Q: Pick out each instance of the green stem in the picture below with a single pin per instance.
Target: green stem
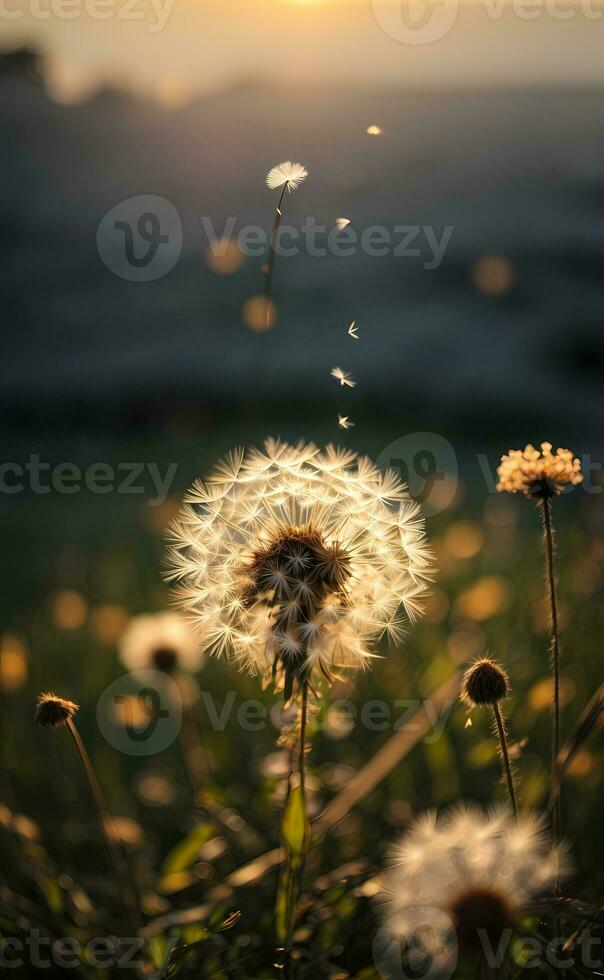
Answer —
(302, 747)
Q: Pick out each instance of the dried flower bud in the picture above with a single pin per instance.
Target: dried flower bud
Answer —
(485, 683)
(53, 711)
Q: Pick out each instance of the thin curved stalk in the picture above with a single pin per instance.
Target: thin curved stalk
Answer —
(108, 830)
(550, 572)
(505, 757)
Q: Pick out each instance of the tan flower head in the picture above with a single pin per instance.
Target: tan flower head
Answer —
(538, 473)
(290, 558)
(53, 711)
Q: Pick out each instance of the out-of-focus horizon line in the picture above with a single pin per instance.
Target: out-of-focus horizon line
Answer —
(180, 50)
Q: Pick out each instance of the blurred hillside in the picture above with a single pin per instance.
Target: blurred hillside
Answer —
(518, 174)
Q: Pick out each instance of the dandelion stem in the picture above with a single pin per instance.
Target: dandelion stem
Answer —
(505, 756)
(271, 252)
(108, 830)
(550, 549)
(302, 747)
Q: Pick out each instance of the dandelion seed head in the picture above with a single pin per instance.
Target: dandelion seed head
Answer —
(538, 473)
(485, 683)
(474, 870)
(342, 223)
(353, 330)
(291, 557)
(288, 173)
(345, 422)
(160, 641)
(52, 711)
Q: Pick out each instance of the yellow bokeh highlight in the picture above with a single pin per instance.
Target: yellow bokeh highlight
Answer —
(13, 663)
(108, 622)
(69, 609)
(493, 275)
(464, 539)
(490, 596)
(259, 314)
(224, 256)
(541, 695)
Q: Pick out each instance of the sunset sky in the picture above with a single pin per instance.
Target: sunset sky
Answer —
(176, 48)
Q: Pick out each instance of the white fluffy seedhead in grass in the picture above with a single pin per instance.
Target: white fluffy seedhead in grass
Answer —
(469, 871)
(160, 641)
(292, 558)
(288, 173)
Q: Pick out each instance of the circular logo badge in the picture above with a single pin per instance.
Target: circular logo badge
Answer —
(428, 951)
(415, 21)
(140, 713)
(427, 463)
(140, 239)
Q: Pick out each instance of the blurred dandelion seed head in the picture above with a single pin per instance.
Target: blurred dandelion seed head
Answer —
(288, 173)
(481, 870)
(485, 683)
(160, 641)
(53, 711)
(297, 557)
(538, 473)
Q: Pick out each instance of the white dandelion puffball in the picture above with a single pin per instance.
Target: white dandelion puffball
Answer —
(291, 558)
(160, 641)
(468, 877)
(288, 173)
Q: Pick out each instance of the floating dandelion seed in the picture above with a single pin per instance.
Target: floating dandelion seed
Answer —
(353, 330)
(160, 641)
(345, 379)
(291, 558)
(468, 873)
(344, 422)
(288, 176)
(374, 130)
(342, 223)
